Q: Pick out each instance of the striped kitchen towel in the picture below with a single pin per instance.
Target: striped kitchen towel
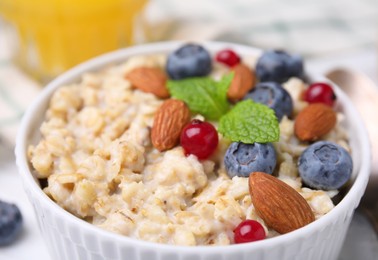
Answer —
(310, 28)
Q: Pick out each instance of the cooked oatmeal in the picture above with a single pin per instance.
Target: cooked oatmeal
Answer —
(97, 157)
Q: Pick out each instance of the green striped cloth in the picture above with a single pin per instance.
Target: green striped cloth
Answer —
(311, 28)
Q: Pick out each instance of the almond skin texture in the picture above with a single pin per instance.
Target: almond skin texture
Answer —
(280, 206)
(169, 121)
(243, 81)
(314, 121)
(149, 80)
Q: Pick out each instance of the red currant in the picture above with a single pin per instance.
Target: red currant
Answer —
(320, 93)
(199, 138)
(249, 231)
(228, 57)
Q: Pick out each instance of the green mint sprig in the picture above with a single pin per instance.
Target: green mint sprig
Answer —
(250, 122)
(203, 95)
(246, 122)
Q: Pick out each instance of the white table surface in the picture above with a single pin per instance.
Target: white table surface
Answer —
(361, 241)
(30, 242)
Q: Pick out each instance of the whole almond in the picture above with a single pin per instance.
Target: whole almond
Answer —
(150, 80)
(280, 206)
(243, 81)
(169, 121)
(314, 121)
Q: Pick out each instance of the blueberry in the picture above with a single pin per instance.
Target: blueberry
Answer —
(325, 166)
(274, 96)
(242, 159)
(190, 60)
(279, 66)
(10, 223)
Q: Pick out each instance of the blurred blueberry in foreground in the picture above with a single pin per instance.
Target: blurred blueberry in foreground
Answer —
(10, 223)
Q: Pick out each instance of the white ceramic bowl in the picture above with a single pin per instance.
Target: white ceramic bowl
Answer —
(69, 237)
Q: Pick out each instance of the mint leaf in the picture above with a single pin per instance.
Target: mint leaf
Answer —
(250, 122)
(203, 95)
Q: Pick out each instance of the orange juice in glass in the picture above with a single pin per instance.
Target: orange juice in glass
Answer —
(54, 35)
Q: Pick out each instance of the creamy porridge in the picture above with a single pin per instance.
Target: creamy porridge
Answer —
(98, 159)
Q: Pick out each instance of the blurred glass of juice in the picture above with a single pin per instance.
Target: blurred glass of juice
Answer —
(54, 35)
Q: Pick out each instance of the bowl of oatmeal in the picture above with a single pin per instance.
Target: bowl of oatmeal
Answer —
(193, 151)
